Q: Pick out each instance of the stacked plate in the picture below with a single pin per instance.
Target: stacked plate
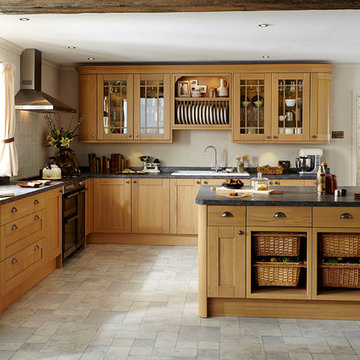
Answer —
(201, 113)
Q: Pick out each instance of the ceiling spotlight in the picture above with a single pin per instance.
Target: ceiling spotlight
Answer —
(71, 47)
(264, 25)
(91, 58)
(24, 19)
(265, 56)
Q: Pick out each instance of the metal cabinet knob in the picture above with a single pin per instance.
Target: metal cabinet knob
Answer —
(279, 215)
(92, 135)
(268, 137)
(36, 217)
(36, 248)
(314, 136)
(198, 181)
(227, 214)
(270, 182)
(277, 182)
(14, 227)
(14, 210)
(346, 216)
(134, 181)
(36, 202)
(130, 136)
(240, 232)
(14, 261)
(137, 136)
(127, 181)
(205, 182)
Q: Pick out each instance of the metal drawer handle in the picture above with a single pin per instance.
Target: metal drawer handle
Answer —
(240, 232)
(36, 217)
(36, 202)
(279, 215)
(346, 216)
(14, 261)
(14, 210)
(14, 227)
(127, 181)
(227, 214)
(36, 248)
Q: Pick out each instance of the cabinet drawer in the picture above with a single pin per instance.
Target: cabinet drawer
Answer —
(226, 215)
(336, 217)
(279, 216)
(21, 232)
(286, 182)
(22, 260)
(20, 208)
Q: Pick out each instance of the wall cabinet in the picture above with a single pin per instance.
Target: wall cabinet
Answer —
(112, 205)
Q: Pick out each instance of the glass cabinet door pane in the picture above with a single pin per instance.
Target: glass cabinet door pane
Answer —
(290, 107)
(252, 117)
(115, 107)
(151, 107)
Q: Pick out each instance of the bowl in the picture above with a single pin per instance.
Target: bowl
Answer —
(290, 102)
(232, 186)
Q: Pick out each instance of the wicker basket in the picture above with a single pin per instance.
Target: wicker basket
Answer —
(268, 170)
(273, 244)
(340, 245)
(277, 274)
(340, 275)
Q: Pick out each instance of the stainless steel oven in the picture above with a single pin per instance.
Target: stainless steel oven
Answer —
(73, 216)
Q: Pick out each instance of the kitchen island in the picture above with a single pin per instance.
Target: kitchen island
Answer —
(294, 254)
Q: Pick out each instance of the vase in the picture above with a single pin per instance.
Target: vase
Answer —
(223, 91)
(67, 162)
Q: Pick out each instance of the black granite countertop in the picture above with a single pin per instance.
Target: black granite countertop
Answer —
(20, 193)
(292, 196)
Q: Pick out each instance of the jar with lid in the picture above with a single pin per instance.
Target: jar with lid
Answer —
(259, 183)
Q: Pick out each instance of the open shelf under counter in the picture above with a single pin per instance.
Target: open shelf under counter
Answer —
(279, 292)
(202, 98)
(338, 294)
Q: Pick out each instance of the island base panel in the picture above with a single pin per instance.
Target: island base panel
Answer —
(307, 309)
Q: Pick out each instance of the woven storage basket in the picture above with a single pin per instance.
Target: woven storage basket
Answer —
(270, 244)
(340, 275)
(340, 245)
(277, 274)
(268, 170)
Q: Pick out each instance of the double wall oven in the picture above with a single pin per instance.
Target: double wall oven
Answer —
(73, 208)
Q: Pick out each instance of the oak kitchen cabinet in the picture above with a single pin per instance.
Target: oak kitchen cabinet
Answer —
(124, 107)
(30, 249)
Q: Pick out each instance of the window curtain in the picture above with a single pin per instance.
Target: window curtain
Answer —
(8, 155)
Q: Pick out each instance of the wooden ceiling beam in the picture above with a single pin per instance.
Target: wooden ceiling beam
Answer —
(154, 6)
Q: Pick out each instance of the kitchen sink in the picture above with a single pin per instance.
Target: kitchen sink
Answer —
(208, 173)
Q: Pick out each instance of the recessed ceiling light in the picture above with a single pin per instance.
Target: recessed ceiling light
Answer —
(71, 47)
(265, 56)
(24, 19)
(91, 58)
(264, 25)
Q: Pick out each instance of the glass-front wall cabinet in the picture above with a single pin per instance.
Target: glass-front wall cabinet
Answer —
(253, 107)
(151, 106)
(290, 101)
(116, 98)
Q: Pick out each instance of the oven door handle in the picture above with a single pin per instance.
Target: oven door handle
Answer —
(72, 218)
(71, 195)
(83, 191)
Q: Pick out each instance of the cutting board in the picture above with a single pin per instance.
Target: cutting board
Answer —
(225, 191)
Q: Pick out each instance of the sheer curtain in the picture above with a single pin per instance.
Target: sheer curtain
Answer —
(8, 155)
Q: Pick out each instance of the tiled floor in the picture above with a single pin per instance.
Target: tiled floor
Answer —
(140, 302)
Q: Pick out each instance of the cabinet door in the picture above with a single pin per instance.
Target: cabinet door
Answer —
(115, 110)
(183, 209)
(226, 262)
(88, 108)
(252, 107)
(53, 223)
(150, 206)
(112, 205)
(151, 107)
(290, 106)
(320, 107)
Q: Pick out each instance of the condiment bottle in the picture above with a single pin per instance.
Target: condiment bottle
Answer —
(333, 184)
(321, 180)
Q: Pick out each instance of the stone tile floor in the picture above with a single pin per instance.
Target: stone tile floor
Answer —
(140, 302)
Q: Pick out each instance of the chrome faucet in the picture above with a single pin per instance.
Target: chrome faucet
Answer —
(215, 156)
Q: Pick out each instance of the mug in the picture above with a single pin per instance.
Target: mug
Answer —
(282, 118)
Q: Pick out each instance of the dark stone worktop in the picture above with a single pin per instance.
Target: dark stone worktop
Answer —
(292, 196)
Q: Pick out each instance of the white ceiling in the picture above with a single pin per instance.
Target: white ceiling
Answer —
(179, 37)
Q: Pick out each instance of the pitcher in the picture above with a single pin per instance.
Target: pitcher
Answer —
(223, 91)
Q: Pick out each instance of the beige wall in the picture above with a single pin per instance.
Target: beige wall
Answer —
(188, 146)
(31, 128)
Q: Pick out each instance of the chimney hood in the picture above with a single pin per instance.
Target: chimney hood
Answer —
(30, 97)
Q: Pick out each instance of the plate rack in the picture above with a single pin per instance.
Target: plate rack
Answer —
(202, 113)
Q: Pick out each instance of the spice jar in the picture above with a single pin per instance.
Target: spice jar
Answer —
(212, 92)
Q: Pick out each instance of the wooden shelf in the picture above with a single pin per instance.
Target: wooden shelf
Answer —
(346, 294)
(279, 292)
(202, 99)
(201, 127)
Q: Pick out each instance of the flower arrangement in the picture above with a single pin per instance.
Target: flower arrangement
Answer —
(59, 137)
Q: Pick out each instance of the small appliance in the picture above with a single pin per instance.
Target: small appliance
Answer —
(308, 161)
(149, 167)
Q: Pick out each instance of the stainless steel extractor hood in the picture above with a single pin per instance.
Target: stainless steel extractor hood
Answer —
(30, 97)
